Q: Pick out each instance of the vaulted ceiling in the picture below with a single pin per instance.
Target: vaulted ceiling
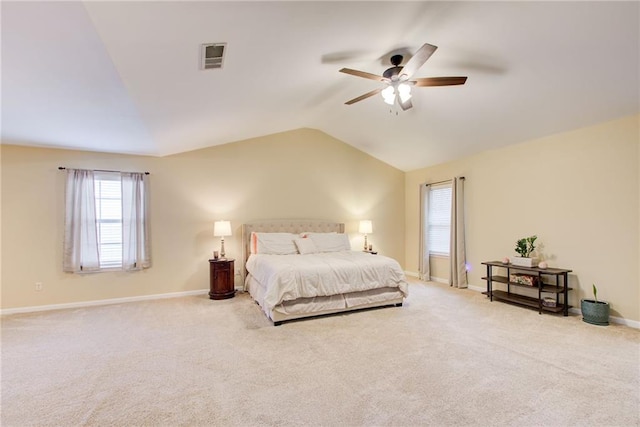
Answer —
(125, 76)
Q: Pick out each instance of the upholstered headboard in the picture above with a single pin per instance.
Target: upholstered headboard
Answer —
(286, 226)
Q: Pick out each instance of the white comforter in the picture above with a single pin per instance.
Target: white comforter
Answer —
(289, 277)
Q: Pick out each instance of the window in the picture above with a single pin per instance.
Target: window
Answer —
(108, 194)
(106, 221)
(439, 217)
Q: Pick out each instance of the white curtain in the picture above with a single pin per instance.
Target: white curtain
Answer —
(425, 273)
(81, 241)
(81, 235)
(136, 252)
(457, 258)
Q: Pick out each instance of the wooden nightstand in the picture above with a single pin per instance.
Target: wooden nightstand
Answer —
(221, 283)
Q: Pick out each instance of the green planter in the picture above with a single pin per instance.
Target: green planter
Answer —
(595, 312)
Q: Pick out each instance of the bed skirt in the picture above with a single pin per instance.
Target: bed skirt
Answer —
(322, 305)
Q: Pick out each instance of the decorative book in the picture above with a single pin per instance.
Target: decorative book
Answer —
(523, 279)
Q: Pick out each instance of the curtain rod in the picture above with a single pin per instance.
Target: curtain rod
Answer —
(101, 170)
(442, 182)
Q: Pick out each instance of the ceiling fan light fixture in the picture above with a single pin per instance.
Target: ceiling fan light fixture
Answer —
(389, 95)
(399, 79)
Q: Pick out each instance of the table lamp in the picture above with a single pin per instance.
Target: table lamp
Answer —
(366, 227)
(222, 229)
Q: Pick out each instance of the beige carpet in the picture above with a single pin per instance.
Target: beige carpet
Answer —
(448, 357)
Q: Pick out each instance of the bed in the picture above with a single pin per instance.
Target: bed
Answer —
(305, 268)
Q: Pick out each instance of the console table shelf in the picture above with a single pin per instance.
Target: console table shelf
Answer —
(559, 288)
(525, 301)
(545, 288)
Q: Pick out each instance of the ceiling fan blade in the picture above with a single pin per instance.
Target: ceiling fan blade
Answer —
(405, 105)
(417, 60)
(365, 96)
(439, 81)
(363, 74)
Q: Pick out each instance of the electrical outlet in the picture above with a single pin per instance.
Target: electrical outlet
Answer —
(38, 286)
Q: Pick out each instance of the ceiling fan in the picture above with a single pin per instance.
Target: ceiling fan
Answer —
(398, 86)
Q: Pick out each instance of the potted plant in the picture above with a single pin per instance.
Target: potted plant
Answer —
(594, 311)
(525, 247)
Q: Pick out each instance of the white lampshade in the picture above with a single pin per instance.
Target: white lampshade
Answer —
(366, 227)
(404, 91)
(222, 228)
(389, 95)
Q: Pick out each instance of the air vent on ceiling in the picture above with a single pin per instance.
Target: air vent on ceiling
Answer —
(212, 55)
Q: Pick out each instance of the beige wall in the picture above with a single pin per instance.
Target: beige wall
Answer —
(439, 268)
(299, 174)
(578, 191)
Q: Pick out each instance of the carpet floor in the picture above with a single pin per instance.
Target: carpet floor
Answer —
(448, 357)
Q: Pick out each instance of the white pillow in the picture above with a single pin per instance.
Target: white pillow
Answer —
(273, 243)
(330, 242)
(306, 246)
(309, 233)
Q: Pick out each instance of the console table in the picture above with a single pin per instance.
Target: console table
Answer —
(552, 281)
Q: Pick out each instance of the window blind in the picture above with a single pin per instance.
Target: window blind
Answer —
(439, 227)
(108, 193)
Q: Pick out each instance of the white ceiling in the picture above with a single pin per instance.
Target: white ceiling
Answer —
(124, 76)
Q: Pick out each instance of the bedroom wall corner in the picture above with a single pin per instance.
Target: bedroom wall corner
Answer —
(579, 191)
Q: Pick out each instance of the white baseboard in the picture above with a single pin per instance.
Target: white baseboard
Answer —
(613, 319)
(100, 302)
(433, 279)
